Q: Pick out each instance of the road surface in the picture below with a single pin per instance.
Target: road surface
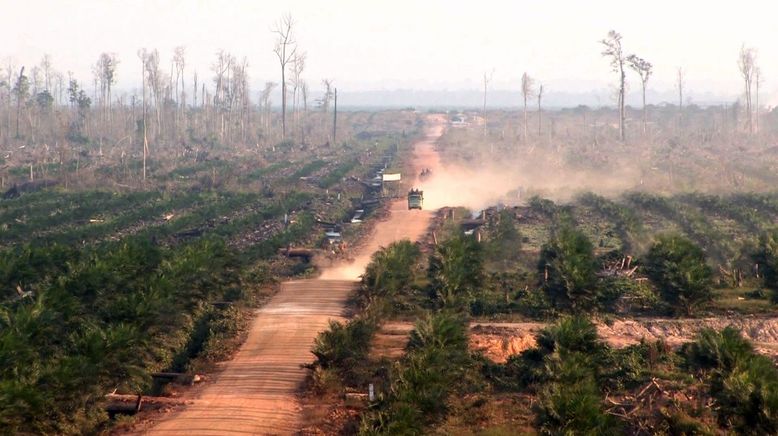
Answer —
(257, 391)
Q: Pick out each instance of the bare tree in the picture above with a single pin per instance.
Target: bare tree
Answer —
(222, 98)
(106, 73)
(757, 83)
(298, 65)
(179, 61)
(240, 95)
(613, 50)
(154, 81)
(487, 79)
(304, 97)
(21, 91)
(747, 65)
(680, 85)
(144, 55)
(644, 70)
(47, 71)
(285, 49)
(526, 93)
(335, 119)
(324, 102)
(264, 101)
(540, 108)
(680, 82)
(194, 89)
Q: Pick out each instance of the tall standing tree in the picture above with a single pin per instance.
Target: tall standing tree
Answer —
(144, 55)
(540, 108)
(325, 101)
(757, 83)
(304, 99)
(487, 80)
(746, 63)
(264, 99)
(154, 81)
(298, 66)
(179, 61)
(106, 73)
(644, 70)
(326, 97)
(526, 93)
(222, 68)
(335, 119)
(286, 50)
(21, 92)
(613, 50)
(680, 84)
(47, 71)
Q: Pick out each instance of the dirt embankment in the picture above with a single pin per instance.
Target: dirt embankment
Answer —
(498, 341)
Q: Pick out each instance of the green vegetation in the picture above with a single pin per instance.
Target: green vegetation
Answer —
(679, 270)
(107, 320)
(743, 383)
(100, 288)
(456, 271)
(567, 265)
(391, 270)
(419, 386)
(766, 256)
(571, 381)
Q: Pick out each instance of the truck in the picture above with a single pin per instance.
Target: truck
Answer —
(415, 199)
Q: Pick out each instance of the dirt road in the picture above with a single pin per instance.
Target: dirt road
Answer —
(257, 391)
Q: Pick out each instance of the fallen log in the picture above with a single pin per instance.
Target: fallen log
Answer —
(147, 400)
(176, 377)
(123, 405)
(305, 253)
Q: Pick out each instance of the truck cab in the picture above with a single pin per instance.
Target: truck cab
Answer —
(415, 199)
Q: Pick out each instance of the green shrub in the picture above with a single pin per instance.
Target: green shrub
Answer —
(567, 268)
(391, 269)
(720, 350)
(344, 344)
(422, 382)
(743, 383)
(442, 330)
(679, 270)
(624, 293)
(456, 270)
(569, 335)
(573, 409)
(680, 423)
(766, 256)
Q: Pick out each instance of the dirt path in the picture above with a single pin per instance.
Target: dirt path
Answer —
(257, 391)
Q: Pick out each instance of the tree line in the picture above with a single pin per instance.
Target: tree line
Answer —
(57, 113)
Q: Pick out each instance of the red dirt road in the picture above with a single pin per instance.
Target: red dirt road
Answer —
(257, 391)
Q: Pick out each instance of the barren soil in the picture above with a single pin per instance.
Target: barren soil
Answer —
(498, 341)
(256, 393)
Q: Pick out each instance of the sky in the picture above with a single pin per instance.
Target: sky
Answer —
(410, 44)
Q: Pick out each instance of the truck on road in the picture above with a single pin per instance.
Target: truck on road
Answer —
(415, 199)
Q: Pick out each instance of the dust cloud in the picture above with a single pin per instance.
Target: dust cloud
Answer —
(512, 183)
(344, 270)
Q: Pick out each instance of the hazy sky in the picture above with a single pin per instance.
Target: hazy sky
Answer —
(365, 44)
